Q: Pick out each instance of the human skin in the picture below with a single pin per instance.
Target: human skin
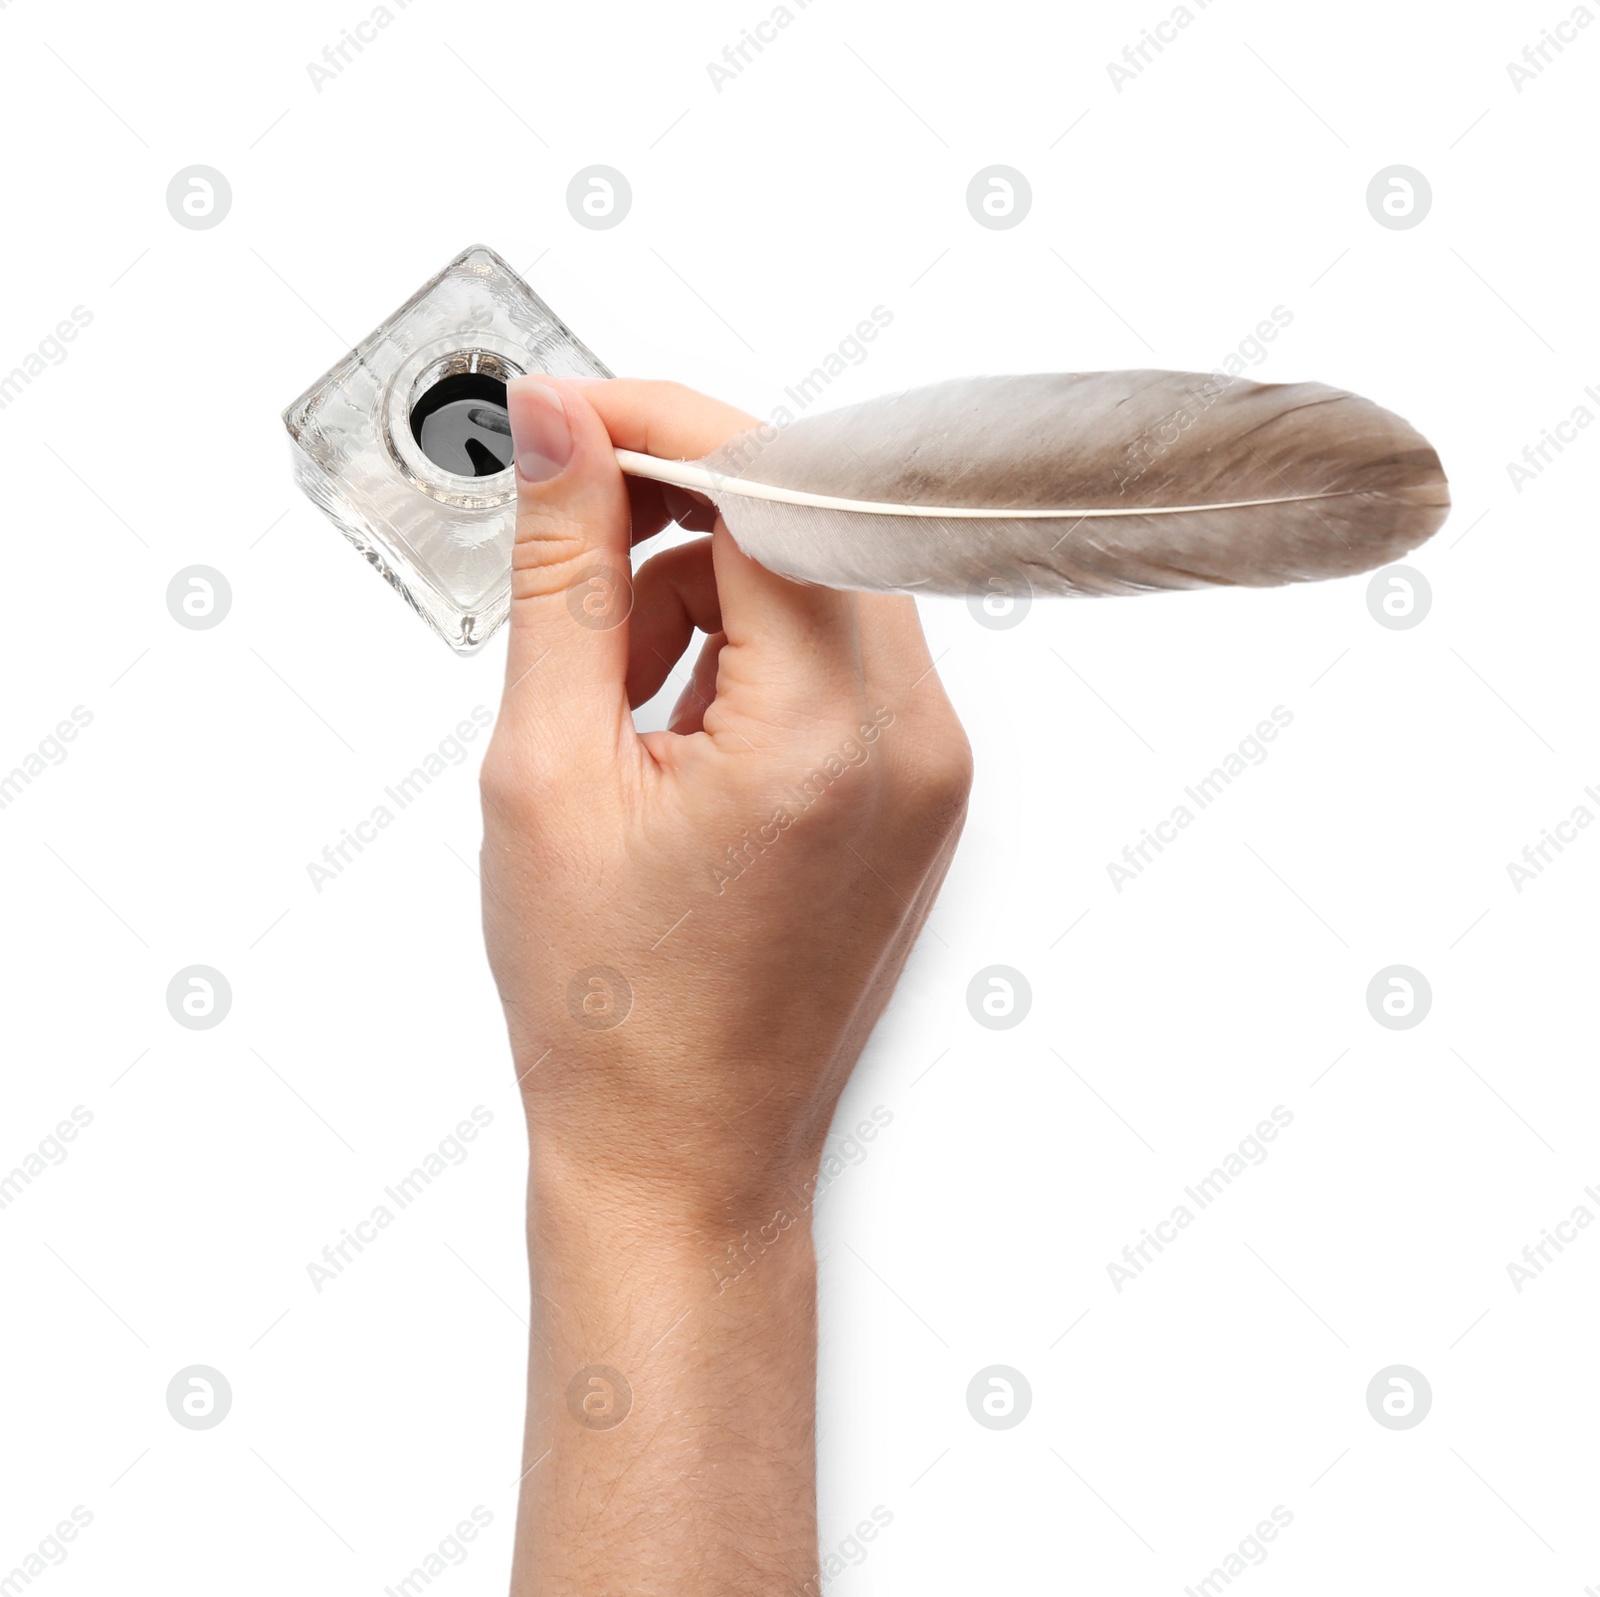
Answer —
(683, 1019)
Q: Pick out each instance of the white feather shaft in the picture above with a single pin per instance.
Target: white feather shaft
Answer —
(702, 479)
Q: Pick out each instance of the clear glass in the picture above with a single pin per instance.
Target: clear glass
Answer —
(442, 540)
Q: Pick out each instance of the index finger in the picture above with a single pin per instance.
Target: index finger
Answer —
(668, 420)
(800, 642)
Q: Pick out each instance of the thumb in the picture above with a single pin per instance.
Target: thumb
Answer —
(571, 588)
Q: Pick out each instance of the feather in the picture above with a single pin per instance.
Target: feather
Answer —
(1098, 483)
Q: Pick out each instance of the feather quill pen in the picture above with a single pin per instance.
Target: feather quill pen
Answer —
(1095, 483)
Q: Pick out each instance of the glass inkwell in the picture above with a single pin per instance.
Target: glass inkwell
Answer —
(405, 443)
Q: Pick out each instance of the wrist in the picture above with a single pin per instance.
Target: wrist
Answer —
(670, 1158)
(597, 1225)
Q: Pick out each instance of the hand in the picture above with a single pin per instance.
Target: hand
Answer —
(693, 933)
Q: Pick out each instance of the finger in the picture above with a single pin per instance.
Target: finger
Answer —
(670, 422)
(692, 511)
(796, 646)
(894, 654)
(688, 714)
(674, 596)
(795, 649)
(656, 506)
(647, 504)
(664, 419)
(567, 657)
(903, 690)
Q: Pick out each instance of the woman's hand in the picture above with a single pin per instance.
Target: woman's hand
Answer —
(693, 933)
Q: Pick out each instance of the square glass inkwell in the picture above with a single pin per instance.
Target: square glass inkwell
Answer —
(406, 445)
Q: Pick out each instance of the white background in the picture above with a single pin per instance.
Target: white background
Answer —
(1168, 219)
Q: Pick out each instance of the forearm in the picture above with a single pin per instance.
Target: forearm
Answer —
(696, 1469)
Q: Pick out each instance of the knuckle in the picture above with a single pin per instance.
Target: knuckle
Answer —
(939, 774)
(547, 539)
(671, 392)
(498, 789)
(823, 780)
(514, 789)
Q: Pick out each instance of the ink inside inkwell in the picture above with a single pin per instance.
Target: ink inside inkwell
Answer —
(460, 422)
